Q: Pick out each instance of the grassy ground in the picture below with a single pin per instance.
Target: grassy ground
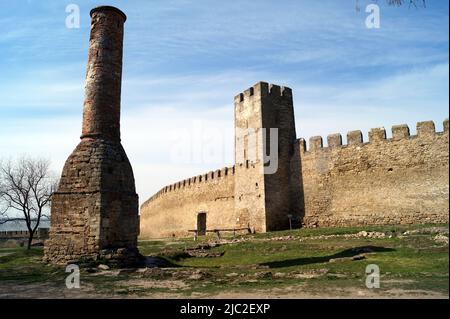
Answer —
(290, 264)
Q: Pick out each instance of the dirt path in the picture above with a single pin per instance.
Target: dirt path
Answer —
(44, 290)
(348, 293)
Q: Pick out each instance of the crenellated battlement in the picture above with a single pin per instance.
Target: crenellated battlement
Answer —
(263, 89)
(376, 135)
(195, 180)
(211, 176)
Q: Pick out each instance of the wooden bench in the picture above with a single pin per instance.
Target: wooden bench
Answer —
(217, 231)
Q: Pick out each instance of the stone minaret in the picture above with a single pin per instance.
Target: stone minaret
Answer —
(94, 212)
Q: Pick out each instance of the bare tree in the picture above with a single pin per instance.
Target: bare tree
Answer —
(398, 3)
(26, 187)
(411, 2)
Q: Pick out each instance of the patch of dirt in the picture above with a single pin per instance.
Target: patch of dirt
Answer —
(398, 281)
(156, 273)
(308, 274)
(427, 231)
(361, 234)
(152, 284)
(191, 274)
(202, 251)
(357, 257)
(441, 239)
(300, 292)
(47, 290)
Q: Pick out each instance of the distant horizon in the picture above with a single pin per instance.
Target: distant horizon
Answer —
(20, 225)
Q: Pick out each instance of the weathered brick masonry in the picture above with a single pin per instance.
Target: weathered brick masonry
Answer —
(403, 179)
(94, 212)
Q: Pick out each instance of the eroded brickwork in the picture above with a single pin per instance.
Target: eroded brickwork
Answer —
(94, 212)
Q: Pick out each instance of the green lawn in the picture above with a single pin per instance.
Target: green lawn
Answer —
(326, 262)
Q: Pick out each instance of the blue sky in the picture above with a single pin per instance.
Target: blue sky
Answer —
(185, 60)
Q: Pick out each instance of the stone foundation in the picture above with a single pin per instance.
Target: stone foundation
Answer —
(95, 207)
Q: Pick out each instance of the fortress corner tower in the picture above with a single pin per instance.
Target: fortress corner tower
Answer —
(94, 212)
(264, 113)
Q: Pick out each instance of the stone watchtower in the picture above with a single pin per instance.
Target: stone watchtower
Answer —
(94, 212)
(263, 174)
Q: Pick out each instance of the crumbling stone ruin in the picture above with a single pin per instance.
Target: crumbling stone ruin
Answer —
(94, 212)
(399, 180)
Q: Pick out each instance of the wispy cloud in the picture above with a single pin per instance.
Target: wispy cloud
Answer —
(417, 95)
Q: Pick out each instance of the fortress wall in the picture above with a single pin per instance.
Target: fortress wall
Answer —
(41, 233)
(173, 210)
(403, 179)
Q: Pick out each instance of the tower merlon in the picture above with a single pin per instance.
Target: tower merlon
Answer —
(400, 131)
(354, 137)
(426, 128)
(334, 140)
(262, 89)
(377, 134)
(315, 143)
(445, 126)
(274, 89)
(301, 144)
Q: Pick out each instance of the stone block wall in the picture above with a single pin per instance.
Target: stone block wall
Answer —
(41, 233)
(173, 210)
(400, 180)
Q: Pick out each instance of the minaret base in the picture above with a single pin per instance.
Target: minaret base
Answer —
(94, 214)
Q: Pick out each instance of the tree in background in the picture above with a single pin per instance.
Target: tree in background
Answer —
(412, 3)
(26, 187)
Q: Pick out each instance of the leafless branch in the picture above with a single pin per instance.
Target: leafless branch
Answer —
(26, 187)
(398, 3)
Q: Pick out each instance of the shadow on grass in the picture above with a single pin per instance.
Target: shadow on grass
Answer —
(352, 252)
(158, 262)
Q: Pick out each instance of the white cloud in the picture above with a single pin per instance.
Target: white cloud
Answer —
(418, 95)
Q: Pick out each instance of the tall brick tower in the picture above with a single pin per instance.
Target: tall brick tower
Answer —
(94, 212)
(262, 188)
